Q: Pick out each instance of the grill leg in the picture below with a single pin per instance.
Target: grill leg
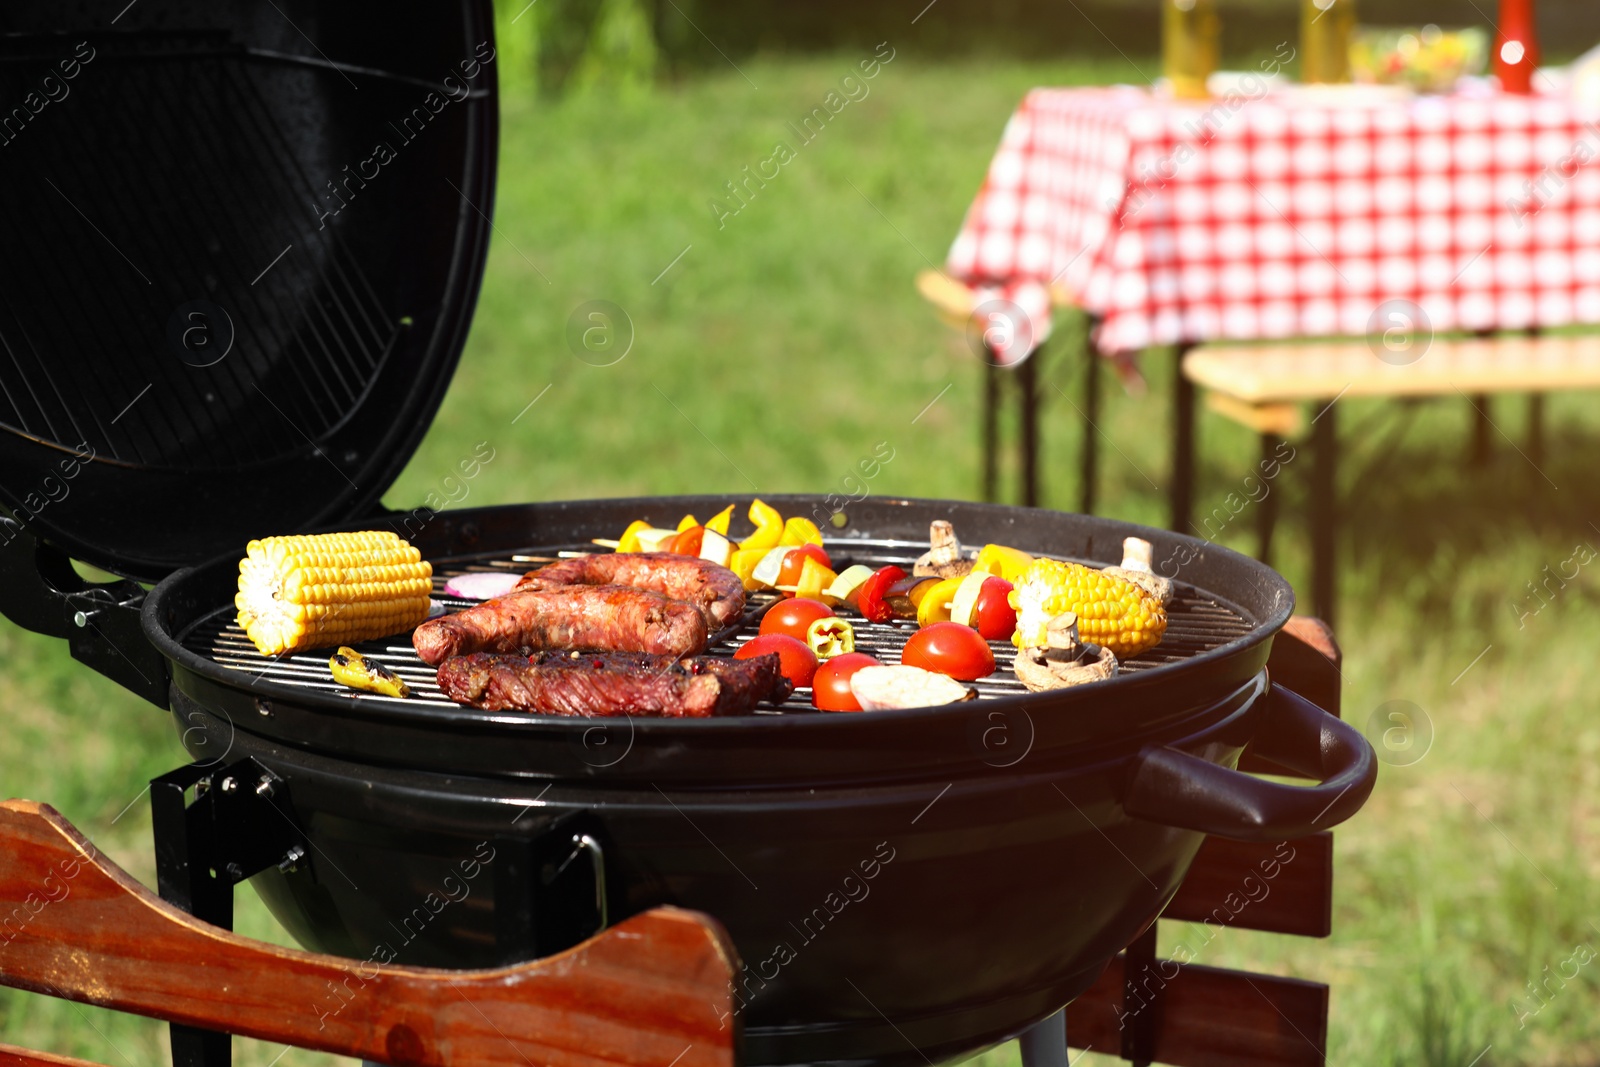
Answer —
(184, 879)
(1091, 428)
(1324, 513)
(1028, 381)
(1141, 1002)
(1045, 1043)
(989, 433)
(1183, 445)
(1267, 510)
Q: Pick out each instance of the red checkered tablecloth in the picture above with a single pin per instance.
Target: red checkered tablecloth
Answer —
(1288, 214)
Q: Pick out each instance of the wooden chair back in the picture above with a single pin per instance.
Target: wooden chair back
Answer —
(653, 991)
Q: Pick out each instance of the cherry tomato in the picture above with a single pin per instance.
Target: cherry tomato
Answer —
(949, 648)
(795, 561)
(797, 662)
(994, 617)
(830, 689)
(794, 617)
(871, 597)
(689, 541)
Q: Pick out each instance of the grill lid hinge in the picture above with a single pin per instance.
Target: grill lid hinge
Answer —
(40, 591)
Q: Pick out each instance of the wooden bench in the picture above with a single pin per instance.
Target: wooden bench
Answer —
(1176, 1011)
(1278, 390)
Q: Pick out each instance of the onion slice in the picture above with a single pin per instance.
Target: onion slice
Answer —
(887, 688)
(481, 585)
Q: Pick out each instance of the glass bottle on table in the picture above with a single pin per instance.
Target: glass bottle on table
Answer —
(1516, 46)
(1191, 34)
(1326, 27)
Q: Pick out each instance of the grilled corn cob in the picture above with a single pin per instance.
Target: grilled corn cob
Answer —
(1112, 612)
(316, 590)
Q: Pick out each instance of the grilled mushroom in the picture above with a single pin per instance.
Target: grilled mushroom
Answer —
(1064, 661)
(943, 558)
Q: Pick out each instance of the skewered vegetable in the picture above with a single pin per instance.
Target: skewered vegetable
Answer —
(934, 604)
(846, 588)
(315, 590)
(1064, 660)
(943, 558)
(351, 668)
(769, 526)
(1111, 611)
(1008, 563)
(872, 599)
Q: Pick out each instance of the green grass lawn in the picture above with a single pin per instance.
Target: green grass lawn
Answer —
(772, 353)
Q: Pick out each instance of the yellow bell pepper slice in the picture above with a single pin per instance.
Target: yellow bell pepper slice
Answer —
(800, 531)
(1008, 563)
(769, 527)
(742, 561)
(935, 603)
(630, 536)
(719, 522)
(814, 578)
(687, 523)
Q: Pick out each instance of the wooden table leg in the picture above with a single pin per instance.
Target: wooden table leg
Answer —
(1028, 386)
(1324, 513)
(1183, 445)
(1267, 509)
(989, 433)
(1091, 431)
(1480, 429)
(1536, 428)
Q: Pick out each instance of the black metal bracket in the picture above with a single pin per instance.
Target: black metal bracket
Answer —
(40, 591)
(216, 825)
(550, 889)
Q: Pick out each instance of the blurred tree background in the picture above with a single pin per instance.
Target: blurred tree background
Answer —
(573, 45)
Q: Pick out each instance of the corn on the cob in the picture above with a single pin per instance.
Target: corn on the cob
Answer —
(1112, 612)
(317, 590)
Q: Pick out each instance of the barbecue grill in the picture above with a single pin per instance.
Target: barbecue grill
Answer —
(900, 885)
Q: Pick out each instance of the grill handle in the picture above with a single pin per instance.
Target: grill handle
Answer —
(1177, 789)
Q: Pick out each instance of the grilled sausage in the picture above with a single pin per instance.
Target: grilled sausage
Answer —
(715, 590)
(613, 683)
(603, 617)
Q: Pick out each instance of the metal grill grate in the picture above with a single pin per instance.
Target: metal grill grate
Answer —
(136, 203)
(1196, 623)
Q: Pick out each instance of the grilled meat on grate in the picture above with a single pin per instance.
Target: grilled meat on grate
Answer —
(611, 618)
(715, 590)
(613, 683)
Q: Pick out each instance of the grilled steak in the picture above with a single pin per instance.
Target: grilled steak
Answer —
(612, 618)
(613, 683)
(715, 590)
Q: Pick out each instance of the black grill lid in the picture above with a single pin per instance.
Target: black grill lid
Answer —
(243, 250)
